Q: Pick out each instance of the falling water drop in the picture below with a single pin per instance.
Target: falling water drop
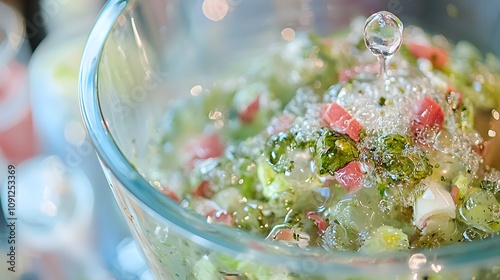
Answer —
(383, 36)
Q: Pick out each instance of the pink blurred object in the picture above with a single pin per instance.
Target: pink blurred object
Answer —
(17, 137)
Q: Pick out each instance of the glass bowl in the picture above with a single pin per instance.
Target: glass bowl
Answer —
(144, 56)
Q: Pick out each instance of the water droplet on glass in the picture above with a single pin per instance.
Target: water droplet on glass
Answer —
(417, 261)
(383, 37)
(161, 233)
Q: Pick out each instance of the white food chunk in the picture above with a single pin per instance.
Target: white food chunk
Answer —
(435, 204)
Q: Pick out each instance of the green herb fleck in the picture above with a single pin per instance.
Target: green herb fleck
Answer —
(333, 151)
(277, 148)
(396, 163)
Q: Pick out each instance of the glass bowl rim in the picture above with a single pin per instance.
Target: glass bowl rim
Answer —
(222, 238)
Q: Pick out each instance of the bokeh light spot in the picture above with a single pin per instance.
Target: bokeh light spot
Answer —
(215, 9)
(288, 34)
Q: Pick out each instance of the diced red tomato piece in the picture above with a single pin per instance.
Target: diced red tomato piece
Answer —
(347, 74)
(481, 149)
(427, 115)
(437, 56)
(454, 193)
(350, 176)
(317, 220)
(289, 235)
(207, 146)
(171, 194)
(284, 235)
(339, 120)
(248, 114)
(203, 190)
(222, 216)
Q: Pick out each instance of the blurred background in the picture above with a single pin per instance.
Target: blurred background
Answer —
(68, 225)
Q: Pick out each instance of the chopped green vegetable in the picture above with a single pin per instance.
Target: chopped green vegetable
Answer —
(333, 151)
(360, 212)
(385, 239)
(340, 238)
(398, 163)
(278, 149)
(481, 210)
(279, 185)
(249, 216)
(206, 269)
(394, 144)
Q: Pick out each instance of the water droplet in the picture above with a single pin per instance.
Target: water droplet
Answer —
(337, 238)
(383, 33)
(426, 137)
(454, 99)
(416, 261)
(383, 36)
(386, 205)
(161, 233)
(444, 141)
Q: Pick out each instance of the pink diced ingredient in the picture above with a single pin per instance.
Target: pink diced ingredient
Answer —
(428, 114)
(321, 223)
(284, 235)
(203, 190)
(481, 149)
(18, 139)
(248, 114)
(437, 56)
(339, 120)
(222, 216)
(454, 193)
(207, 146)
(213, 212)
(171, 194)
(289, 235)
(350, 176)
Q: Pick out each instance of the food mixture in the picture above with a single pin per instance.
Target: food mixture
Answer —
(315, 146)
